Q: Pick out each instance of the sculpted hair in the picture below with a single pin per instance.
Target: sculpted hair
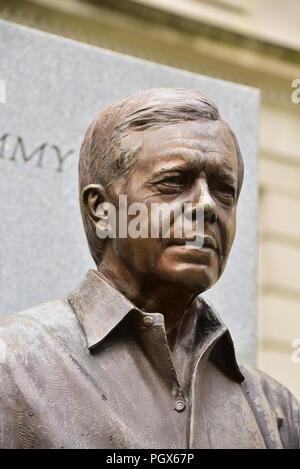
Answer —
(106, 154)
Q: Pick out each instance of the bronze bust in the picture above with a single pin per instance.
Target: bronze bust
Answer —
(135, 357)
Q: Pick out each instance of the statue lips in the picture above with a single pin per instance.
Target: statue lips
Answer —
(208, 242)
(194, 253)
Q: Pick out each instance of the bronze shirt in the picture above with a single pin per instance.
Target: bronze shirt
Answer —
(94, 371)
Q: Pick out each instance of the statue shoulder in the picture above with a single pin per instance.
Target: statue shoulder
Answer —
(269, 397)
(44, 313)
(23, 332)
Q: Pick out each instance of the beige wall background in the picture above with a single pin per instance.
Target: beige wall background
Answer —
(253, 42)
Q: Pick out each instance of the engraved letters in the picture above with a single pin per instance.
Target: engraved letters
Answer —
(13, 148)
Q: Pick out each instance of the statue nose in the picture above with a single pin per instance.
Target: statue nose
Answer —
(206, 204)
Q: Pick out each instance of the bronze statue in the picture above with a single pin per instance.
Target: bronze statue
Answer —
(134, 357)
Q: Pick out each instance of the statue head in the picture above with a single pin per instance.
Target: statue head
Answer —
(161, 146)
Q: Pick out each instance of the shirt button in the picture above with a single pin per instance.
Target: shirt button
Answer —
(179, 406)
(148, 321)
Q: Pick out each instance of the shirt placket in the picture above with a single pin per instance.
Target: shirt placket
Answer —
(154, 329)
(200, 359)
(153, 326)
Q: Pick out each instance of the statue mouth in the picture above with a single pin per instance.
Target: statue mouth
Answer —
(196, 242)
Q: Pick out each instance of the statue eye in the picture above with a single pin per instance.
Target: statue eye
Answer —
(227, 189)
(225, 192)
(171, 184)
(173, 180)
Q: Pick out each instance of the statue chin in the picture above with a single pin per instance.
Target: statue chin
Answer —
(194, 277)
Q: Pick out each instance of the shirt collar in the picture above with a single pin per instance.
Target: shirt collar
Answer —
(100, 308)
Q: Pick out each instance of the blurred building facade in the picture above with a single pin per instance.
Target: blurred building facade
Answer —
(250, 42)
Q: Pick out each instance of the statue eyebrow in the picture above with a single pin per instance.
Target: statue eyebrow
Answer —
(186, 166)
(189, 166)
(221, 173)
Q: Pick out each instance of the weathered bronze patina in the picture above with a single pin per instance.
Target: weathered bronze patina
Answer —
(134, 357)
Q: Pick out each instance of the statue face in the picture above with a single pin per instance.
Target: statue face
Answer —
(182, 163)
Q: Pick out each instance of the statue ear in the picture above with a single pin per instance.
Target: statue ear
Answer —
(92, 198)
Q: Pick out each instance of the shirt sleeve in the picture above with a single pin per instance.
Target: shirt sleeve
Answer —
(276, 409)
(8, 408)
(14, 413)
(289, 422)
